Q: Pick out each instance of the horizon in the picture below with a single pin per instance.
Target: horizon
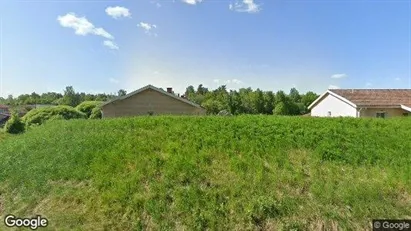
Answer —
(105, 46)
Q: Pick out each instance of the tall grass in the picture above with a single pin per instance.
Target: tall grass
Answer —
(218, 173)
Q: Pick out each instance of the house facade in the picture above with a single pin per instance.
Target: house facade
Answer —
(383, 103)
(150, 100)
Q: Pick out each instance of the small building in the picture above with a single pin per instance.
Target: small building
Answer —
(380, 103)
(4, 113)
(150, 100)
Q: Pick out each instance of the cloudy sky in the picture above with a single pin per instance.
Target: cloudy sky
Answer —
(103, 46)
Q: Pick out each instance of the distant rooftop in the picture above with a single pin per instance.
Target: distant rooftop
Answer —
(376, 97)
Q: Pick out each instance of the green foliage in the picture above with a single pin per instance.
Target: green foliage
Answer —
(14, 125)
(53, 98)
(96, 113)
(211, 172)
(121, 92)
(308, 98)
(4, 135)
(295, 95)
(212, 106)
(280, 109)
(70, 97)
(87, 107)
(40, 115)
(242, 101)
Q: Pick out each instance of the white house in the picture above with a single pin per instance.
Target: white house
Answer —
(362, 103)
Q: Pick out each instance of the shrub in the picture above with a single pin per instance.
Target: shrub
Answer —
(14, 125)
(88, 106)
(40, 115)
(96, 113)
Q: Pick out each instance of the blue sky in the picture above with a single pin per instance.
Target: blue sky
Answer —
(103, 46)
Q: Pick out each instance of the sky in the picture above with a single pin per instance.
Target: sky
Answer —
(101, 46)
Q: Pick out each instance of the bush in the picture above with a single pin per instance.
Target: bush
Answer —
(88, 106)
(14, 125)
(96, 113)
(40, 115)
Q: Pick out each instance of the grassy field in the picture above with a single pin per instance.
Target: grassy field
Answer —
(215, 173)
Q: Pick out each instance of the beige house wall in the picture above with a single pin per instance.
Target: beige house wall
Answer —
(389, 112)
(149, 101)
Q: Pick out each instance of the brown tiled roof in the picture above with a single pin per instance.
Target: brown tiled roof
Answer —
(376, 97)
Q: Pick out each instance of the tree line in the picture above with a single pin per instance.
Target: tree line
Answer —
(70, 97)
(249, 101)
(242, 101)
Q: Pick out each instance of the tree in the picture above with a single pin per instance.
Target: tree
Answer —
(285, 105)
(295, 95)
(269, 100)
(308, 98)
(10, 100)
(280, 97)
(189, 91)
(122, 92)
(70, 97)
(14, 125)
(259, 101)
(35, 98)
(234, 103)
(201, 90)
(247, 104)
(213, 106)
(281, 109)
(23, 99)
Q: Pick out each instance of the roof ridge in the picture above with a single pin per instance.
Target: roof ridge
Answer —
(149, 86)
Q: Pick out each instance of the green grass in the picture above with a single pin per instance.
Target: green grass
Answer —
(215, 173)
(3, 135)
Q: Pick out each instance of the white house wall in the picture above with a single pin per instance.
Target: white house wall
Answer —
(334, 105)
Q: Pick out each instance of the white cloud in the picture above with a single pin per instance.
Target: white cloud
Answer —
(148, 28)
(118, 12)
(248, 6)
(397, 79)
(158, 5)
(333, 87)
(113, 80)
(82, 26)
(192, 2)
(156, 72)
(233, 81)
(236, 81)
(368, 84)
(338, 76)
(110, 44)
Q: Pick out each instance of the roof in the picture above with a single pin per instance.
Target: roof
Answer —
(4, 106)
(371, 97)
(155, 89)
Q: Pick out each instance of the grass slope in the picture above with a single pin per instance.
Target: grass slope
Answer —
(217, 173)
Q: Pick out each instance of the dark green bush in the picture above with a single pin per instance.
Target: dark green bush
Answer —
(96, 113)
(40, 115)
(14, 125)
(87, 107)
